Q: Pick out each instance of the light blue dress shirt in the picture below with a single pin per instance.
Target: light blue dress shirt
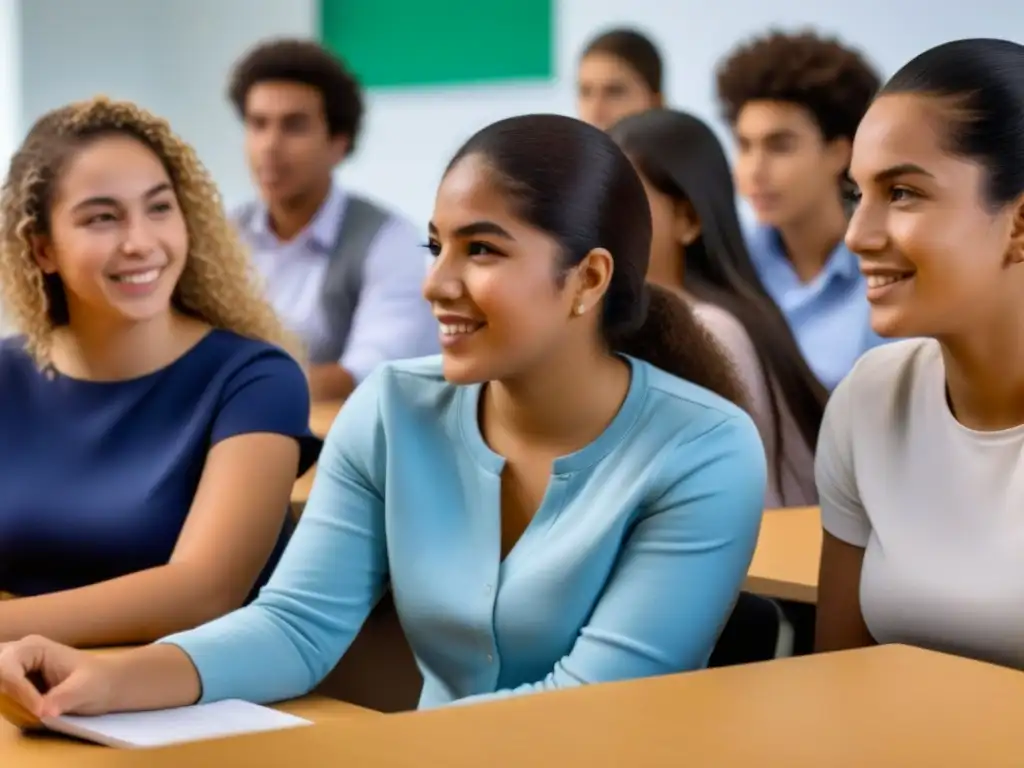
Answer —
(830, 316)
(629, 568)
(392, 321)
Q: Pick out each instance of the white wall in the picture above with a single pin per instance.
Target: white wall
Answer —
(174, 58)
(171, 56)
(10, 96)
(10, 80)
(412, 135)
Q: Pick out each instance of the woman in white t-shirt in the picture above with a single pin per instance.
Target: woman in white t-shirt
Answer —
(919, 467)
(698, 250)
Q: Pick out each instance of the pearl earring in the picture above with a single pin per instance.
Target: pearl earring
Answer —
(580, 308)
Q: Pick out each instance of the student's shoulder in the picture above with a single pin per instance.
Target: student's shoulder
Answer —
(232, 348)
(683, 413)
(378, 206)
(690, 435)
(241, 214)
(402, 395)
(13, 348)
(883, 389)
(416, 382)
(227, 356)
(725, 327)
(15, 358)
(894, 369)
(395, 224)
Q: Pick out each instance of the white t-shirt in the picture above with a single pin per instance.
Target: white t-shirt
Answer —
(939, 508)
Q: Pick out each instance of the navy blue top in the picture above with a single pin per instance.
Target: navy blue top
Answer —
(97, 478)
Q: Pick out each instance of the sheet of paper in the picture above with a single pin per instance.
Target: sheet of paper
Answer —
(174, 726)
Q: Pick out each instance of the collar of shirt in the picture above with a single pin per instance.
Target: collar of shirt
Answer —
(770, 258)
(319, 235)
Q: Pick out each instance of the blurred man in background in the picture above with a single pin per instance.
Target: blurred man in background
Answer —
(343, 273)
(794, 103)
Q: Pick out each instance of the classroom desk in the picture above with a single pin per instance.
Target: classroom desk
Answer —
(321, 416)
(785, 563)
(879, 707)
(43, 751)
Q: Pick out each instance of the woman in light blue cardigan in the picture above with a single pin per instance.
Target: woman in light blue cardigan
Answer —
(569, 494)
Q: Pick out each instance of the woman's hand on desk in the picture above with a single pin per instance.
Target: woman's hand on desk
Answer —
(49, 679)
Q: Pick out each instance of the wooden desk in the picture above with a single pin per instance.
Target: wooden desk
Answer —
(18, 750)
(301, 489)
(321, 416)
(785, 563)
(878, 707)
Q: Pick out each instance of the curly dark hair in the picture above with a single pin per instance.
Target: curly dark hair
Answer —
(834, 83)
(307, 62)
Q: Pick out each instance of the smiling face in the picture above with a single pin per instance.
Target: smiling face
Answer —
(494, 281)
(937, 256)
(117, 237)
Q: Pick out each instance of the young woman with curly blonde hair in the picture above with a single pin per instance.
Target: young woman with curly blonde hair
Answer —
(152, 422)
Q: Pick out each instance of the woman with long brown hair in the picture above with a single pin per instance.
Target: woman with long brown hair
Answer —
(152, 423)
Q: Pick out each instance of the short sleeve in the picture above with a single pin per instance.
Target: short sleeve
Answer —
(268, 393)
(332, 573)
(842, 513)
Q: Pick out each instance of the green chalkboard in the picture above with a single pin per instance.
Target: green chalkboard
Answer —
(395, 43)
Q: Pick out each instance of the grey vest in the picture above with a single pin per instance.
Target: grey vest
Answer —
(361, 221)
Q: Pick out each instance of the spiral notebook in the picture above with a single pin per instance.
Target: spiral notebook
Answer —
(160, 728)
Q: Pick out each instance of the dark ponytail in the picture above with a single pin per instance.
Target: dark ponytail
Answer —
(673, 339)
(570, 180)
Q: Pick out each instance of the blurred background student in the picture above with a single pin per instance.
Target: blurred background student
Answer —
(698, 251)
(342, 272)
(793, 102)
(619, 74)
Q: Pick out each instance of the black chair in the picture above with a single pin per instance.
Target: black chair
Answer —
(757, 630)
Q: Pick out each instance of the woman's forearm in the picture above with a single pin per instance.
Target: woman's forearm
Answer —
(129, 610)
(152, 677)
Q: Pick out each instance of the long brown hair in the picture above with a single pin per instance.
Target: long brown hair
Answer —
(217, 284)
(682, 158)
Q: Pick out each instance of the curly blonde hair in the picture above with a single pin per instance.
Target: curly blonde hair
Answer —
(217, 284)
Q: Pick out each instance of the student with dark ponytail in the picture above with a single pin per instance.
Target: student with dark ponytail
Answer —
(565, 496)
(698, 251)
(919, 466)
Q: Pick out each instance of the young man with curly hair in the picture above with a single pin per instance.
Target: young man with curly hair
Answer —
(343, 273)
(794, 102)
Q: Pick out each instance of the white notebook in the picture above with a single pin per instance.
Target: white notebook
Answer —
(163, 727)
